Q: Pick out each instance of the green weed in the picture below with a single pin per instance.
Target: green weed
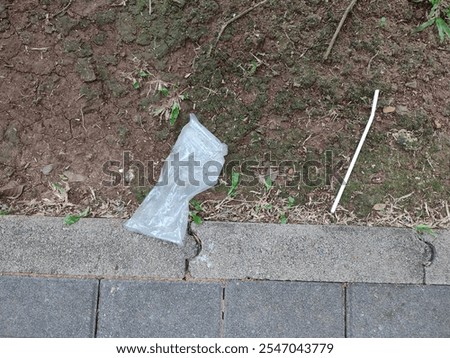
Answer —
(174, 112)
(171, 108)
(439, 15)
(72, 219)
(290, 205)
(425, 229)
(235, 176)
(194, 214)
(58, 188)
(268, 183)
(291, 202)
(164, 91)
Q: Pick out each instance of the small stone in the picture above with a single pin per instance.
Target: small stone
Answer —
(47, 169)
(412, 84)
(437, 124)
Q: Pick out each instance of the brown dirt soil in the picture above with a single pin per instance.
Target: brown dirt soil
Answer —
(88, 86)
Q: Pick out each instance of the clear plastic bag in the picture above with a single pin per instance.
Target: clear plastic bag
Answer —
(193, 166)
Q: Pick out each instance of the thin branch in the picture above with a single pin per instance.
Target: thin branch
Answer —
(341, 23)
(370, 62)
(224, 26)
(82, 120)
(149, 7)
(63, 9)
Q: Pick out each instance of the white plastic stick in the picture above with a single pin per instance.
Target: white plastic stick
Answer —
(358, 149)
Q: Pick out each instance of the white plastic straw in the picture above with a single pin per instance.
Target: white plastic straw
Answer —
(358, 149)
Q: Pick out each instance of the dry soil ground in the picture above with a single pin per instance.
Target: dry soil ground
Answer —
(87, 86)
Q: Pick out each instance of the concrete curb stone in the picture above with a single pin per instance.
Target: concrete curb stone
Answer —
(309, 253)
(91, 247)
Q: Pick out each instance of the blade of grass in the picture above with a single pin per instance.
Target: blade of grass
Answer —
(174, 113)
(424, 25)
(268, 183)
(443, 29)
(235, 176)
(72, 219)
(196, 204)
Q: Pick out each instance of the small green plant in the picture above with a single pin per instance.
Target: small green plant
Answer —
(174, 113)
(439, 15)
(164, 91)
(58, 188)
(252, 68)
(235, 176)
(140, 193)
(139, 74)
(268, 183)
(143, 74)
(425, 229)
(382, 23)
(194, 214)
(291, 203)
(72, 219)
(4, 212)
(171, 109)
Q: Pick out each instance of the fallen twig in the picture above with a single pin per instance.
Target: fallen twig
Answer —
(43, 49)
(341, 23)
(370, 62)
(122, 3)
(224, 26)
(63, 9)
(82, 120)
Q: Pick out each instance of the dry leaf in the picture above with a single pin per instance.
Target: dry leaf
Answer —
(11, 190)
(379, 207)
(74, 177)
(388, 109)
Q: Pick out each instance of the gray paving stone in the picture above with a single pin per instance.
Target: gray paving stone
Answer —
(47, 307)
(159, 309)
(439, 270)
(95, 247)
(308, 253)
(284, 309)
(398, 311)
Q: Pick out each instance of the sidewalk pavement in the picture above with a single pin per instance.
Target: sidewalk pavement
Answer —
(94, 279)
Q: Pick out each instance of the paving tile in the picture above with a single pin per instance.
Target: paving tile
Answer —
(398, 311)
(438, 272)
(331, 253)
(47, 307)
(284, 309)
(159, 309)
(93, 247)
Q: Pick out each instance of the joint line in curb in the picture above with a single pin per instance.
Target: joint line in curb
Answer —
(97, 311)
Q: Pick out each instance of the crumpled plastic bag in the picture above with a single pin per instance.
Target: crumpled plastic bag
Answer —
(193, 166)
